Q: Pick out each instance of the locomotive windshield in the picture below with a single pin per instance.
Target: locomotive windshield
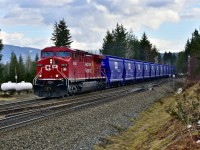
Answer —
(47, 54)
(62, 54)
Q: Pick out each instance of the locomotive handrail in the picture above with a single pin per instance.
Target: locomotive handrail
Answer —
(34, 80)
(64, 76)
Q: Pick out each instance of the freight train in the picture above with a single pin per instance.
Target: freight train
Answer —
(62, 71)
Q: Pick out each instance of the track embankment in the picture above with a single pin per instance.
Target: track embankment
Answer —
(157, 128)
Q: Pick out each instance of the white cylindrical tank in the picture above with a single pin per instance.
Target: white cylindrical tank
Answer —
(9, 86)
(23, 86)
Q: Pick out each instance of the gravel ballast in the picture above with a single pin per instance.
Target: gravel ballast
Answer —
(81, 129)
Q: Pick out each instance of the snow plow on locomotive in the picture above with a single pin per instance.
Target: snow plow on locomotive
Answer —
(63, 71)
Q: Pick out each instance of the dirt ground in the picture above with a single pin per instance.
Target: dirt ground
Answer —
(9, 96)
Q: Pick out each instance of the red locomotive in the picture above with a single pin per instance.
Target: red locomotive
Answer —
(63, 71)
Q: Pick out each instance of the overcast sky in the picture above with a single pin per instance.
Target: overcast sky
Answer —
(167, 23)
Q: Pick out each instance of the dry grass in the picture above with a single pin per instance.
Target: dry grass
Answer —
(8, 96)
(155, 129)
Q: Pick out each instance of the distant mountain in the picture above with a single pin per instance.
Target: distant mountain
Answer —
(24, 51)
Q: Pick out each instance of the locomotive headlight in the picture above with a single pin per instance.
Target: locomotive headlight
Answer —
(40, 75)
(64, 69)
(51, 61)
(56, 75)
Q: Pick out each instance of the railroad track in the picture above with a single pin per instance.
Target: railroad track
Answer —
(15, 108)
(32, 114)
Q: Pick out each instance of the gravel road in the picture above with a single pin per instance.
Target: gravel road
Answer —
(81, 129)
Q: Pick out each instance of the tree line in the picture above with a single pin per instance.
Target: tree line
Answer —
(189, 59)
(119, 42)
(18, 69)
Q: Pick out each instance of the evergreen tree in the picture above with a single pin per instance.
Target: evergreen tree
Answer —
(159, 58)
(195, 42)
(181, 63)
(61, 35)
(173, 60)
(1, 66)
(192, 50)
(21, 69)
(132, 46)
(5, 72)
(36, 57)
(108, 44)
(13, 67)
(28, 67)
(145, 48)
(115, 42)
(1, 47)
(33, 67)
(120, 36)
(124, 44)
(165, 58)
(169, 58)
(154, 56)
(1, 73)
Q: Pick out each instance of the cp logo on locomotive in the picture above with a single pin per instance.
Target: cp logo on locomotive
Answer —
(49, 67)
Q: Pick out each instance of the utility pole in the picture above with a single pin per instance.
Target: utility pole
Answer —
(15, 74)
(189, 65)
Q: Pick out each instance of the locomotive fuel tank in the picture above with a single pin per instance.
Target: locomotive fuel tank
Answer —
(89, 86)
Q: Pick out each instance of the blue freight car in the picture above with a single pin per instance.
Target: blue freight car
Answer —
(153, 71)
(165, 71)
(160, 74)
(139, 68)
(157, 71)
(113, 67)
(173, 69)
(129, 71)
(120, 71)
(146, 70)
